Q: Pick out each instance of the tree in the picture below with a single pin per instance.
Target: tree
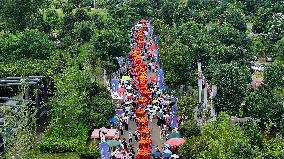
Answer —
(235, 17)
(102, 20)
(99, 111)
(190, 129)
(28, 44)
(107, 45)
(81, 15)
(252, 5)
(167, 10)
(18, 14)
(232, 81)
(264, 14)
(84, 30)
(81, 3)
(260, 19)
(274, 148)
(219, 140)
(177, 60)
(275, 27)
(244, 150)
(186, 106)
(68, 23)
(52, 18)
(253, 132)
(280, 49)
(273, 76)
(192, 148)
(229, 35)
(265, 105)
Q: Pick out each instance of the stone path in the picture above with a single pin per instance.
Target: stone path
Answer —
(155, 134)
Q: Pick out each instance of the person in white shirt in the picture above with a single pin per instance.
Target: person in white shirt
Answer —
(151, 116)
(103, 137)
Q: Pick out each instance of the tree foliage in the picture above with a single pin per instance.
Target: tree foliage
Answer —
(219, 140)
(273, 76)
(274, 148)
(190, 129)
(266, 105)
(186, 106)
(20, 14)
(232, 82)
(29, 44)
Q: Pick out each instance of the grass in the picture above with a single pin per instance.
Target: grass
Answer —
(68, 155)
(36, 154)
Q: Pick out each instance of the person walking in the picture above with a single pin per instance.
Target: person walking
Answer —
(161, 134)
(120, 128)
(130, 137)
(136, 135)
(126, 122)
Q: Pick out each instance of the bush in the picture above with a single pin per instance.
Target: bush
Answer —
(58, 140)
(58, 145)
(88, 152)
(190, 128)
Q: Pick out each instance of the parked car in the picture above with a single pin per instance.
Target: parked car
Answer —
(268, 58)
(258, 67)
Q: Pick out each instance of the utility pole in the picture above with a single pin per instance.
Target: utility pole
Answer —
(199, 82)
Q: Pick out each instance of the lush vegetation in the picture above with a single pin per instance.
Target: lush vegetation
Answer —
(71, 44)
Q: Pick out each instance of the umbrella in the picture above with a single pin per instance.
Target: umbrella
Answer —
(128, 102)
(119, 111)
(157, 154)
(121, 89)
(113, 120)
(167, 146)
(166, 155)
(143, 20)
(125, 78)
(160, 114)
(113, 143)
(155, 101)
(129, 97)
(118, 106)
(154, 79)
(174, 135)
(175, 141)
(153, 47)
(119, 155)
(167, 151)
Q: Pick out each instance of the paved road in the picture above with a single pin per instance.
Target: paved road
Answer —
(155, 134)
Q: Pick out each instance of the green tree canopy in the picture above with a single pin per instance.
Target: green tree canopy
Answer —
(265, 105)
(232, 82)
(280, 49)
(27, 44)
(186, 106)
(274, 148)
(273, 75)
(18, 14)
(219, 140)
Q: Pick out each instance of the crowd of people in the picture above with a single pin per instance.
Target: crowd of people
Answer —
(159, 107)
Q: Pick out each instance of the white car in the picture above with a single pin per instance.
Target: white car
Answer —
(258, 67)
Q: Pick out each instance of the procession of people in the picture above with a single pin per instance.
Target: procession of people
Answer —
(131, 101)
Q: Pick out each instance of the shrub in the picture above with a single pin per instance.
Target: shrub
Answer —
(88, 152)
